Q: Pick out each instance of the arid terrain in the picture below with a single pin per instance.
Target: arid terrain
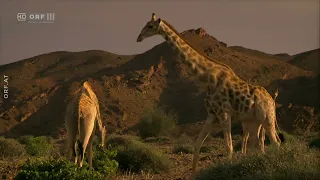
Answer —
(127, 85)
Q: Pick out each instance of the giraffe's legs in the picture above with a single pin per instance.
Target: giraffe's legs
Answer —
(86, 130)
(252, 128)
(272, 133)
(90, 152)
(76, 152)
(201, 138)
(71, 126)
(245, 137)
(225, 122)
(262, 138)
(71, 151)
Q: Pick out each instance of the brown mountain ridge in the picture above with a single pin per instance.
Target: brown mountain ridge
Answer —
(309, 60)
(127, 85)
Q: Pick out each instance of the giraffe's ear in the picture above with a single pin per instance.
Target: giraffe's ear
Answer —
(159, 20)
(153, 18)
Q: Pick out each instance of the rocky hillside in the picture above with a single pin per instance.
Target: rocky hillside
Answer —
(127, 85)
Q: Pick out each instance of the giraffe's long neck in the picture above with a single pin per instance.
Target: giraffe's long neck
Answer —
(199, 63)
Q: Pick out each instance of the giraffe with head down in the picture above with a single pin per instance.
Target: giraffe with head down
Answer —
(82, 116)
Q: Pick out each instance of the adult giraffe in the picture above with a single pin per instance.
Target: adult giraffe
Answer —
(81, 117)
(227, 94)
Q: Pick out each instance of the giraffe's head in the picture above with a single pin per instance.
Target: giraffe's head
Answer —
(150, 29)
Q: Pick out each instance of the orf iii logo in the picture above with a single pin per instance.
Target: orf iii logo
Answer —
(22, 16)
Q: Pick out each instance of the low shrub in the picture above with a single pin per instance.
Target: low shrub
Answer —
(136, 156)
(293, 161)
(38, 146)
(49, 168)
(160, 139)
(155, 122)
(207, 149)
(25, 139)
(183, 148)
(103, 161)
(11, 148)
(120, 140)
(184, 144)
(188, 148)
(54, 169)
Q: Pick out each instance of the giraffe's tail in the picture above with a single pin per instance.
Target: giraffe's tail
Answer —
(102, 128)
(278, 129)
(276, 122)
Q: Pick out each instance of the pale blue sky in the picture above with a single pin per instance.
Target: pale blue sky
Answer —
(275, 26)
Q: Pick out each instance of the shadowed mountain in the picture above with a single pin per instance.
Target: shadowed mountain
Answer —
(283, 56)
(309, 60)
(252, 52)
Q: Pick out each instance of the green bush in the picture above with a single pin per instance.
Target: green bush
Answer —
(50, 168)
(136, 156)
(55, 169)
(293, 161)
(11, 148)
(155, 122)
(38, 146)
(103, 161)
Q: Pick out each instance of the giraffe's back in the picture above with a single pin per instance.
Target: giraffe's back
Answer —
(83, 101)
(230, 94)
(86, 103)
(263, 99)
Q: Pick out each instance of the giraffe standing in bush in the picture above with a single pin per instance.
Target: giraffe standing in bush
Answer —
(227, 94)
(81, 116)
